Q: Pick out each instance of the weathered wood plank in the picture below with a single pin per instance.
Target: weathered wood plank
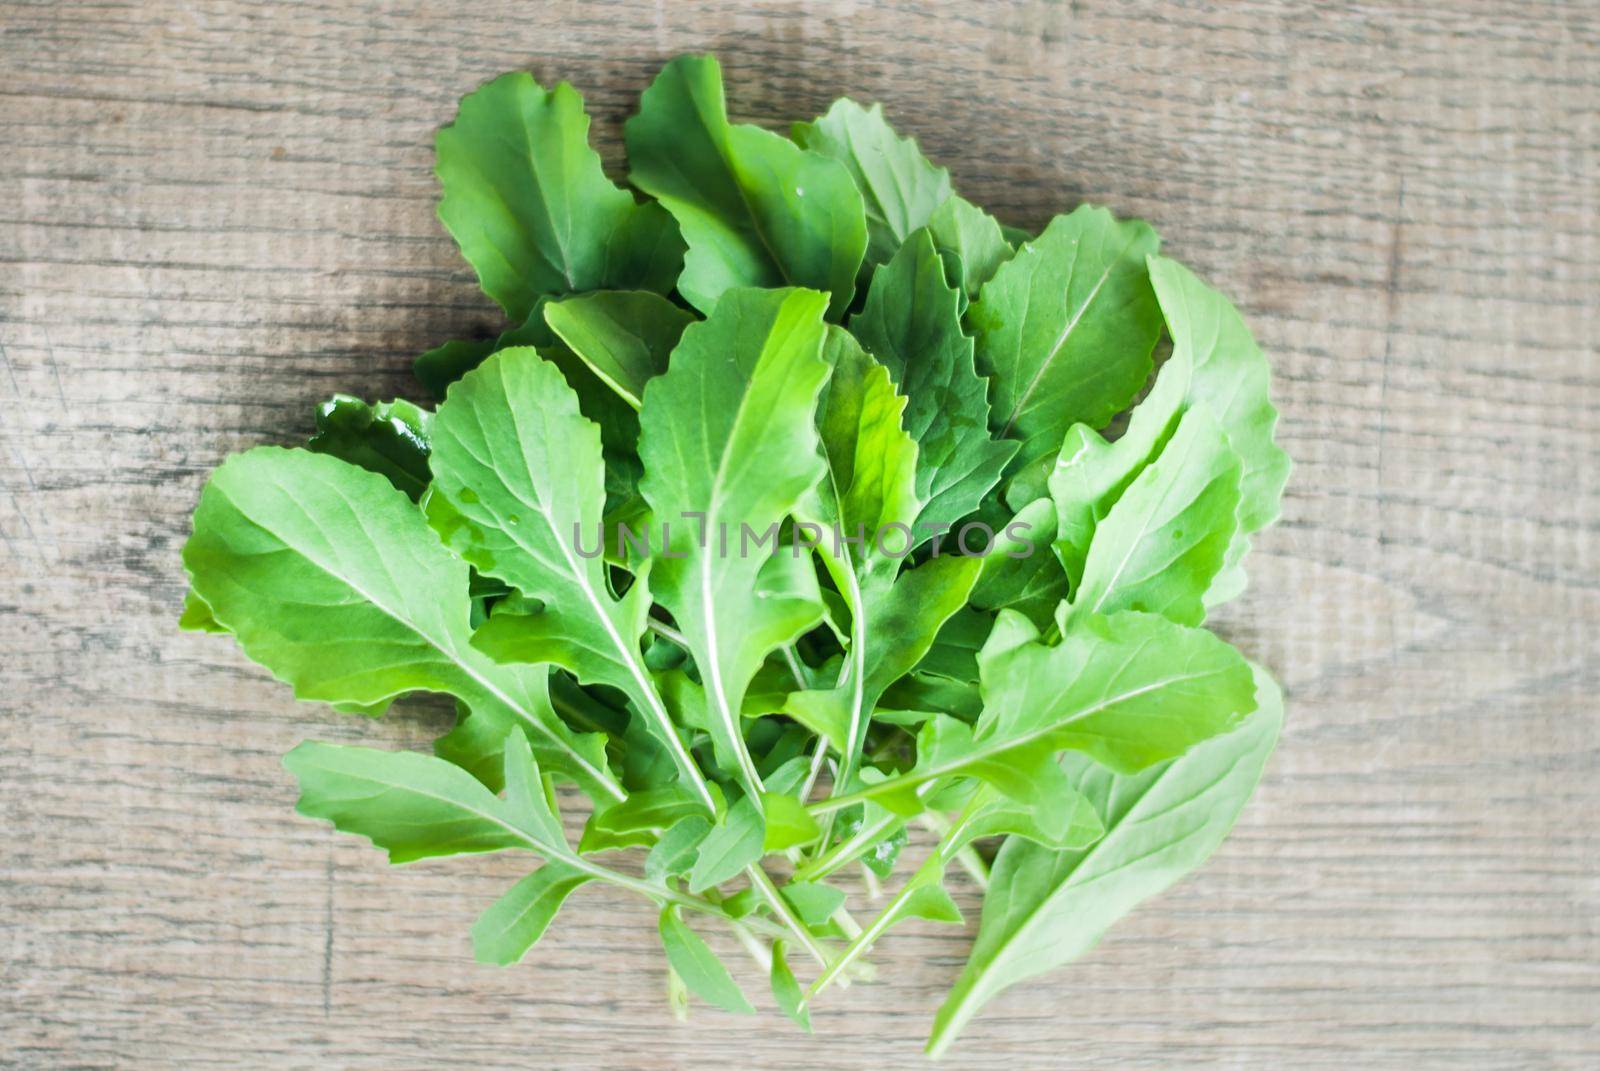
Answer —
(213, 215)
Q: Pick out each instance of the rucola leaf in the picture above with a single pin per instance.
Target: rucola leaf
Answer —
(755, 209)
(698, 966)
(533, 212)
(1165, 540)
(1215, 364)
(301, 556)
(912, 323)
(389, 438)
(515, 922)
(518, 488)
(898, 185)
(728, 445)
(1067, 326)
(624, 336)
(1128, 690)
(1045, 908)
(970, 243)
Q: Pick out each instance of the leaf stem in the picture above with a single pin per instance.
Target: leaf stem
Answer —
(931, 869)
(780, 907)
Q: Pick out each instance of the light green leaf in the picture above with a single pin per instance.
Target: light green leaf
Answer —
(787, 823)
(813, 901)
(638, 819)
(1019, 571)
(330, 578)
(389, 438)
(1127, 690)
(731, 846)
(624, 336)
(912, 323)
(515, 922)
(786, 990)
(1215, 364)
(518, 490)
(1067, 326)
(533, 212)
(728, 446)
(196, 615)
(698, 966)
(1046, 908)
(676, 851)
(1165, 540)
(755, 209)
(899, 187)
(418, 806)
(970, 243)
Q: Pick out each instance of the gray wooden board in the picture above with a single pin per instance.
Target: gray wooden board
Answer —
(214, 214)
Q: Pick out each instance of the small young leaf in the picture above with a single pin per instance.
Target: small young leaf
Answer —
(515, 922)
(813, 901)
(730, 847)
(698, 966)
(786, 991)
(676, 851)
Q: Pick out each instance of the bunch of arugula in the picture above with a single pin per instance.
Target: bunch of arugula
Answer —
(809, 339)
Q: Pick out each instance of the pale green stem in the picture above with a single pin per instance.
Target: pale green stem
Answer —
(780, 907)
(937, 860)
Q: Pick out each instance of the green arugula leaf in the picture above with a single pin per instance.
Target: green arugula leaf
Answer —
(912, 323)
(443, 365)
(698, 966)
(299, 555)
(1127, 690)
(518, 478)
(1045, 908)
(389, 438)
(868, 490)
(515, 922)
(733, 844)
(755, 209)
(677, 849)
(624, 336)
(786, 991)
(1215, 364)
(531, 208)
(1165, 540)
(899, 187)
(1067, 326)
(1019, 571)
(728, 445)
(413, 806)
(971, 244)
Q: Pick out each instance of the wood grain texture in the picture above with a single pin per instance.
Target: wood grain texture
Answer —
(213, 214)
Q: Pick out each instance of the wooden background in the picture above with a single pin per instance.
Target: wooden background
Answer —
(213, 214)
